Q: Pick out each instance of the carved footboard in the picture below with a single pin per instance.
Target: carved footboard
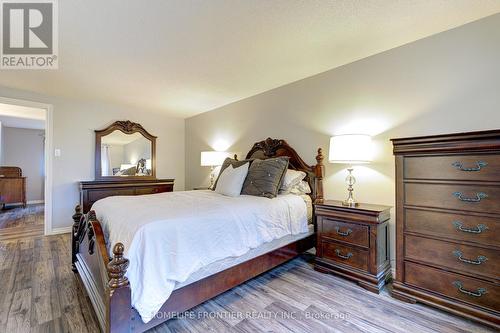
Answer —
(104, 278)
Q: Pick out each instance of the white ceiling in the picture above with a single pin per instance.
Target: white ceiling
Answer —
(186, 57)
(21, 116)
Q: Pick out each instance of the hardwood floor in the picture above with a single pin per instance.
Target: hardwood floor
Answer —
(40, 293)
(17, 222)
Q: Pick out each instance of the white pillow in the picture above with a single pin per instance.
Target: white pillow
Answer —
(292, 178)
(301, 188)
(231, 180)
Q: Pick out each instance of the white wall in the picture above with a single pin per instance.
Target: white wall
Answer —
(74, 123)
(24, 148)
(446, 83)
(137, 149)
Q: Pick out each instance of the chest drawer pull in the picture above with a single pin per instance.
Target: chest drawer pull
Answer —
(478, 261)
(477, 230)
(340, 255)
(478, 293)
(478, 198)
(343, 233)
(478, 167)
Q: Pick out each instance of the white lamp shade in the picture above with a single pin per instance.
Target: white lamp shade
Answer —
(213, 158)
(350, 149)
(148, 164)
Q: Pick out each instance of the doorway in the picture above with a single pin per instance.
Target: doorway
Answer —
(25, 168)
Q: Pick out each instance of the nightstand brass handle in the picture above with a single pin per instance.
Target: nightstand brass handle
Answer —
(478, 198)
(347, 256)
(478, 261)
(477, 230)
(478, 293)
(343, 233)
(478, 167)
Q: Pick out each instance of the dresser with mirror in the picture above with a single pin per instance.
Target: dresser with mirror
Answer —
(125, 164)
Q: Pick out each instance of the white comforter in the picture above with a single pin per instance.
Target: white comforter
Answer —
(169, 236)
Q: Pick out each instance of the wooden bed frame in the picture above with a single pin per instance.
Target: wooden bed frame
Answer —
(109, 289)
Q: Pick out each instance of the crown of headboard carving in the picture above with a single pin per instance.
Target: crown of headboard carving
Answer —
(278, 147)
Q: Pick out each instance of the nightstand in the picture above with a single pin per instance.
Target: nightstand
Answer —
(353, 242)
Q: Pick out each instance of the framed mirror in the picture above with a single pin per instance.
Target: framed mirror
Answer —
(124, 150)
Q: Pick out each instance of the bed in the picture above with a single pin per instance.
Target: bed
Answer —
(214, 243)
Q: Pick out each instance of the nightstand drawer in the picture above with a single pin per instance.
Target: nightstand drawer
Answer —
(347, 255)
(346, 232)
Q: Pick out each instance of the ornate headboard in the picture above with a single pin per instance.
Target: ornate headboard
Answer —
(10, 171)
(275, 147)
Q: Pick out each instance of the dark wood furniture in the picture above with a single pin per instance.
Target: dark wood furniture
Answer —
(12, 186)
(448, 223)
(353, 242)
(126, 127)
(91, 191)
(109, 290)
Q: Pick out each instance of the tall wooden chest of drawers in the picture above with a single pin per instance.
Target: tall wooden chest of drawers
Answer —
(448, 223)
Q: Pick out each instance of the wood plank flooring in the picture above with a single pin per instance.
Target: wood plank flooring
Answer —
(40, 293)
(17, 222)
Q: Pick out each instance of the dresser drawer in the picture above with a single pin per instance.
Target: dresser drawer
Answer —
(101, 194)
(153, 190)
(456, 286)
(478, 198)
(478, 229)
(347, 255)
(346, 232)
(465, 258)
(456, 167)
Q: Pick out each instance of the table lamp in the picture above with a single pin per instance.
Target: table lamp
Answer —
(213, 159)
(350, 149)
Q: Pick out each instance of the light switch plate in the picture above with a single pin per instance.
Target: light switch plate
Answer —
(57, 152)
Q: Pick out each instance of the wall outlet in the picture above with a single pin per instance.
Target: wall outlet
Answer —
(57, 152)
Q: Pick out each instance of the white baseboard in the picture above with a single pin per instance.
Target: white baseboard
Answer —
(57, 231)
(34, 202)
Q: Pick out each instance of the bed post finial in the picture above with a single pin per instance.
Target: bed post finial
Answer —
(117, 268)
(319, 171)
(119, 301)
(74, 237)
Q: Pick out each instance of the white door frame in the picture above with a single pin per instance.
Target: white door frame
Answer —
(49, 109)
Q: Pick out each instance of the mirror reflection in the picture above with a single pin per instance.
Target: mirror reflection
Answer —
(125, 155)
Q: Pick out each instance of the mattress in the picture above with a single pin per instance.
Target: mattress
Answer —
(226, 263)
(168, 237)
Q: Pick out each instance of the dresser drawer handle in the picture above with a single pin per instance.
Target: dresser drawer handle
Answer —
(478, 261)
(478, 167)
(478, 198)
(340, 255)
(477, 230)
(478, 293)
(343, 233)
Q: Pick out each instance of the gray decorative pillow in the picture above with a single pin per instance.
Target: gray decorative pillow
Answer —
(227, 162)
(264, 177)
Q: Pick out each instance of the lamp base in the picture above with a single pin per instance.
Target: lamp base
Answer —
(350, 180)
(350, 203)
